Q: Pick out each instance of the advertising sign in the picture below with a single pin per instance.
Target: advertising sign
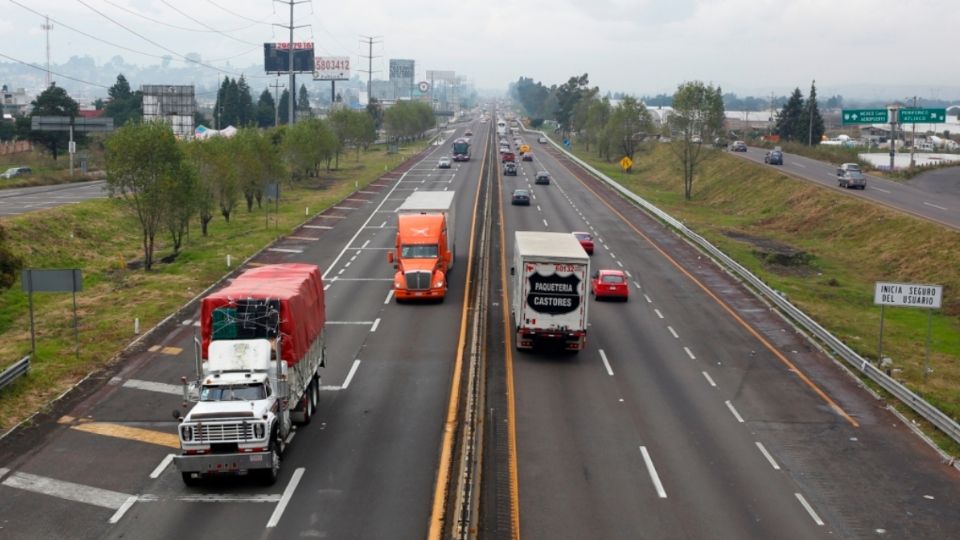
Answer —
(276, 57)
(331, 68)
(553, 294)
(401, 70)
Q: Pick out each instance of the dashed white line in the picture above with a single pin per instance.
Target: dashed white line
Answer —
(767, 455)
(285, 498)
(382, 225)
(620, 264)
(364, 323)
(545, 223)
(341, 270)
(637, 285)
(649, 301)
(285, 250)
(606, 364)
(734, 411)
(673, 332)
(70, 491)
(389, 296)
(150, 386)
(376, 323)
(629, 275)
(163, 465)
(657, 311)
(353, 371)
(809, 509)
(327, 286)
(880, 190)
(118, 515)
(689, 353)
(293, 433)
(612, 254)
(938, 207)
(653, 473)
(709, 379)
(365, 244)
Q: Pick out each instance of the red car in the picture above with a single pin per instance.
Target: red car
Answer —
(586, 240)
(508, 156)
(610, 284)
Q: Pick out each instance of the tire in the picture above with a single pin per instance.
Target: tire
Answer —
(268, 477)
(308, 403)
(189, 480)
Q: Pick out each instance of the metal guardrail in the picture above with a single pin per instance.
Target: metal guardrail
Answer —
(15, 371)
(933, 415)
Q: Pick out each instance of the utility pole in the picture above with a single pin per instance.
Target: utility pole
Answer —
(47, 27)
(293, 77)
(913, 138)
(276, 101)
(772, 113)
(810, 121)
(370, 41)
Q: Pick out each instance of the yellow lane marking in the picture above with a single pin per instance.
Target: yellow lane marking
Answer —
(769, 346)
(66, 419)
(130, 433)
(450, 424)
(171, 350)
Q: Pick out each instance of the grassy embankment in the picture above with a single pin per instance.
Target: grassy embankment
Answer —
(742, 207)
(47, 171)
(99, 238)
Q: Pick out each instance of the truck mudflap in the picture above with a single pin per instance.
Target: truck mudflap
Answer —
(223, 463)
(531, 339)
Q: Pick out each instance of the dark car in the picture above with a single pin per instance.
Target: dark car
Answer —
(469, 133)
(543, 177)
(528, 156)
(738, 146)
(849, 176)
(509, 169)
(773, 157)
(520, 197)
(586, 241)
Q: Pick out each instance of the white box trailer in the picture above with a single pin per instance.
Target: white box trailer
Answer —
(433, 202)
(550, 287)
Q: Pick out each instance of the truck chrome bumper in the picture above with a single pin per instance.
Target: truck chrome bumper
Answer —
(223, 463)
(424, 294)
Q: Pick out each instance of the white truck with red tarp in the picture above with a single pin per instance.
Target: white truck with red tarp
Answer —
(551, 282)
(258, 371)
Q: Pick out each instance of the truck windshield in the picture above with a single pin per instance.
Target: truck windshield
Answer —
(421, 251)
(234, 392)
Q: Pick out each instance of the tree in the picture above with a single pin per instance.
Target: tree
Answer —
(353, 128)
(629, 124)
(202, 155)
(568, 95)
(375, 112)
(408, 119)
(180, 201)
(811, 128)
(143, 163)
(265, 109)
(697, 118)
(303, 103)
(598, 114)
(256, 163)
(124, 105)
(246, 114)
(306, 145)
(790, 118)
(284, 107)
(53, 101)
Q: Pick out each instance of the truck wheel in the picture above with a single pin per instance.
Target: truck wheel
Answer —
(268, 477)
(189, 480)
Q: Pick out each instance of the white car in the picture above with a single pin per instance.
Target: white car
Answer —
(444, 163)
(542, 140)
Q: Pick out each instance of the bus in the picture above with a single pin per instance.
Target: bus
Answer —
(461, 150)
(501, 128)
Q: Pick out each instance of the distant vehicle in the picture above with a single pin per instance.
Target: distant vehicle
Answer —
(521, 197)
(468, 133)
(444, 163)
(610, 284)
(16, 171)
(543, 177)
(774, 157)
(527, 156)
(738, 146)
(509, 169)
(586, 240)
(542, 140)
(508, 156)
(849, 175)
(461, 150)
(501, 128)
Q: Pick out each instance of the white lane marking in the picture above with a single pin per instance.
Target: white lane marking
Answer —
(376, 323)
(653, 473)
(637, 285)
(348, 264)
(351, 322)
(809, 509)
(690, 354)
(122, 510)
(285, 250)
(150, 386)
(880, 190)
(606, 364)
(545, 223)
(539, 209)
(344, 207)
(353, 371)
(657, 311)
(620, 264)
(611, 253)
(160, 468)
(329, 388)
(70, 491)
(341, 270)
(382, 225)
(801, 165)
(767, 455)
(734, 411)
(327, 286)
(317, 227)
(3, 471)
(934, 206)
(649, 301)
(285, 498)
(365, 244)
(187, 322)
(709, 379)
(389, 296)
(629, 275)
(673, 332)
(290, 437)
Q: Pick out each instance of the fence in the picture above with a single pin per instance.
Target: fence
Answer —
(13, 372)
(15, 147)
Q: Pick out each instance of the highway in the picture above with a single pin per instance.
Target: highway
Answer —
(926, 199)
(695, 411)
(15, 201)
(364, 468)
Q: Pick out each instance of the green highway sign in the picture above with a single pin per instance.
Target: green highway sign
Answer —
(923, 116)
(865, 116)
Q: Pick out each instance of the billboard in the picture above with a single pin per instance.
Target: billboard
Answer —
(331, 68)
(276, 57)
(441, 76)
(401, 70)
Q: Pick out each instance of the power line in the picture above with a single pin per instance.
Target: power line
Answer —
(205, 25)
(370, 41)
(158, 21)
(34, 66)
(235, 14)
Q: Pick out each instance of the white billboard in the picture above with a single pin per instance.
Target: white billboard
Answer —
(401, 70)
(908, 295)
(331, 68)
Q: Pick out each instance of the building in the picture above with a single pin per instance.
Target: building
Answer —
(174, 104)
(15, 103)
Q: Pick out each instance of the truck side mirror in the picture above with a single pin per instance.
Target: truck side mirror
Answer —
(176, 415)
(390, 257)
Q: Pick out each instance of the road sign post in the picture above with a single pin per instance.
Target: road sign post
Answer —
(929, 297)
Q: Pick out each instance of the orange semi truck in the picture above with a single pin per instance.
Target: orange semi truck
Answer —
(425, 246)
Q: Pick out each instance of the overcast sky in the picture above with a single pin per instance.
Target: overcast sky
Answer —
(875, 48)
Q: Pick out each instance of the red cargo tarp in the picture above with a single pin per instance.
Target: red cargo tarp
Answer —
(298, 288)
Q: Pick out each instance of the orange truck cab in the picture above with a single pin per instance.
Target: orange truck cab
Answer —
(425, 246)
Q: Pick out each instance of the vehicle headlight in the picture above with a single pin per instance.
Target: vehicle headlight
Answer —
(438, 284)
(186, 433)
(259, 429)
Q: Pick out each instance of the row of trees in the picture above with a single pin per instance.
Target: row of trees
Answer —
(408, 119)
(799, 120)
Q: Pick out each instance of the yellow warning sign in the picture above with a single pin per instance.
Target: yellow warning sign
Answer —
(626, 163)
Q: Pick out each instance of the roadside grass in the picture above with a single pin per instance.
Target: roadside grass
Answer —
(100, 237)
(850, 244)
(49, 171)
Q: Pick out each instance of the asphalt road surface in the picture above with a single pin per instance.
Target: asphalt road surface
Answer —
(926, 199)
(27, 199)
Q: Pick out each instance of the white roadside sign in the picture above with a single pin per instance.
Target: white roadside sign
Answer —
(908, 295)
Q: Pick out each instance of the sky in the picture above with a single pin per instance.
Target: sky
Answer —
(870, 49)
